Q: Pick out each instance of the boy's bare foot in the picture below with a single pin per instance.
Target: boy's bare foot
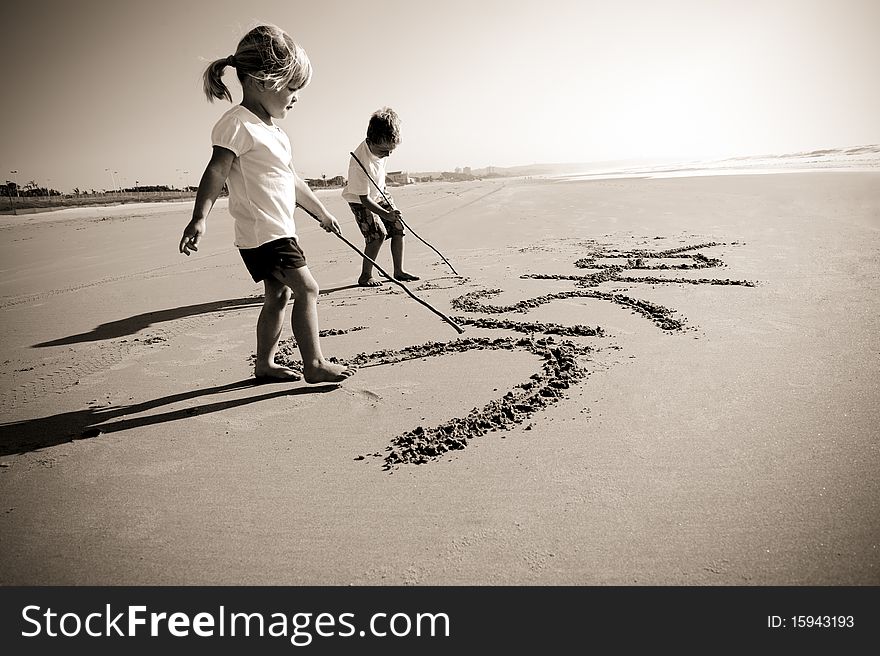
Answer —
(403, 276)
(369, 282)
(275, 373)
(328, 372)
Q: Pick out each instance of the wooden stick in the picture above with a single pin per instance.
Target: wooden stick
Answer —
(401, 218)
(396, 282)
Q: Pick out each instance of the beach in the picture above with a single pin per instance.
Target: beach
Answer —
(666, 381)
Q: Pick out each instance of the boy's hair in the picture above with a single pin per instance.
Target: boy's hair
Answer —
(384, 127)
(268, 55)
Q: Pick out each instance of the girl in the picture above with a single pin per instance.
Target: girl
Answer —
(253, 154)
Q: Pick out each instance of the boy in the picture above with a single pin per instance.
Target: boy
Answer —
(376, 219)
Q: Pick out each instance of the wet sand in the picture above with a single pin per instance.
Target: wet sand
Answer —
(662, 381)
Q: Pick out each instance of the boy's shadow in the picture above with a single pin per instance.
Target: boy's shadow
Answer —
(331, 290)
(33, 434)
(131, 325)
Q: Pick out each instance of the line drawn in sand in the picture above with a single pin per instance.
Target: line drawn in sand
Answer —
(563, 363)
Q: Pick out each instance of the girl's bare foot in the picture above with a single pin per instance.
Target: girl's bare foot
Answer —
(275, 373)
(328, 372)
(369, 282)
(403, 276)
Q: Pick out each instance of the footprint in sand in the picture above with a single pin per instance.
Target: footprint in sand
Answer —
(372, 396)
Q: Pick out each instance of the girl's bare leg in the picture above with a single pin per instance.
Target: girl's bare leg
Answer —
(269, 326)
(304, 320)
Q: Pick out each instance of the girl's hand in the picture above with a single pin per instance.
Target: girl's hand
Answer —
(191, 236)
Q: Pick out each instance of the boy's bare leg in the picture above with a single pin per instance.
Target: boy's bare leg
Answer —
(269, 325)
(397, 249)
(304, 320)
(371, 250)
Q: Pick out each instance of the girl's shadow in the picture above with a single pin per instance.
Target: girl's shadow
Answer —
(132, 325)
(32, 434)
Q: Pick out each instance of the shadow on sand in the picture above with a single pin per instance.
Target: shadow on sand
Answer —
(33, 434)
(131, 325)
(330, 290)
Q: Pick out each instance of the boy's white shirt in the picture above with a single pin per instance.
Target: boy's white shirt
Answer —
(358, 183)
(262, 190)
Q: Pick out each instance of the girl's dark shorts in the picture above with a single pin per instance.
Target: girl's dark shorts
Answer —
(279, 255)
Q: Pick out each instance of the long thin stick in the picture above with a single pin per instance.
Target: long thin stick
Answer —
(400, 217)
(396, 282)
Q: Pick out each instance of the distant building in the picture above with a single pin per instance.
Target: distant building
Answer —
(467, 170)
(398, 177)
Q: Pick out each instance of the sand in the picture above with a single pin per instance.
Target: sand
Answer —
(662, 381)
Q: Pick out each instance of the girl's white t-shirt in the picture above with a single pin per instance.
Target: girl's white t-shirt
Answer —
(262, 190)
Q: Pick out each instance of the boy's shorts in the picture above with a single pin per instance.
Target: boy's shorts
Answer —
(279, 255)
(370, 226)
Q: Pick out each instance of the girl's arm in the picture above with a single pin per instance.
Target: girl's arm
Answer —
(310, 202)
(210, 186)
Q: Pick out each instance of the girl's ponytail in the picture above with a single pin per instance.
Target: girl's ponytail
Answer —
(213, 79)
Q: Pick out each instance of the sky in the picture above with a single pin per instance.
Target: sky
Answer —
(98, 93)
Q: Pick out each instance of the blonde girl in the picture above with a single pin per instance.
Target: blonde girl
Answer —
(253, 156)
